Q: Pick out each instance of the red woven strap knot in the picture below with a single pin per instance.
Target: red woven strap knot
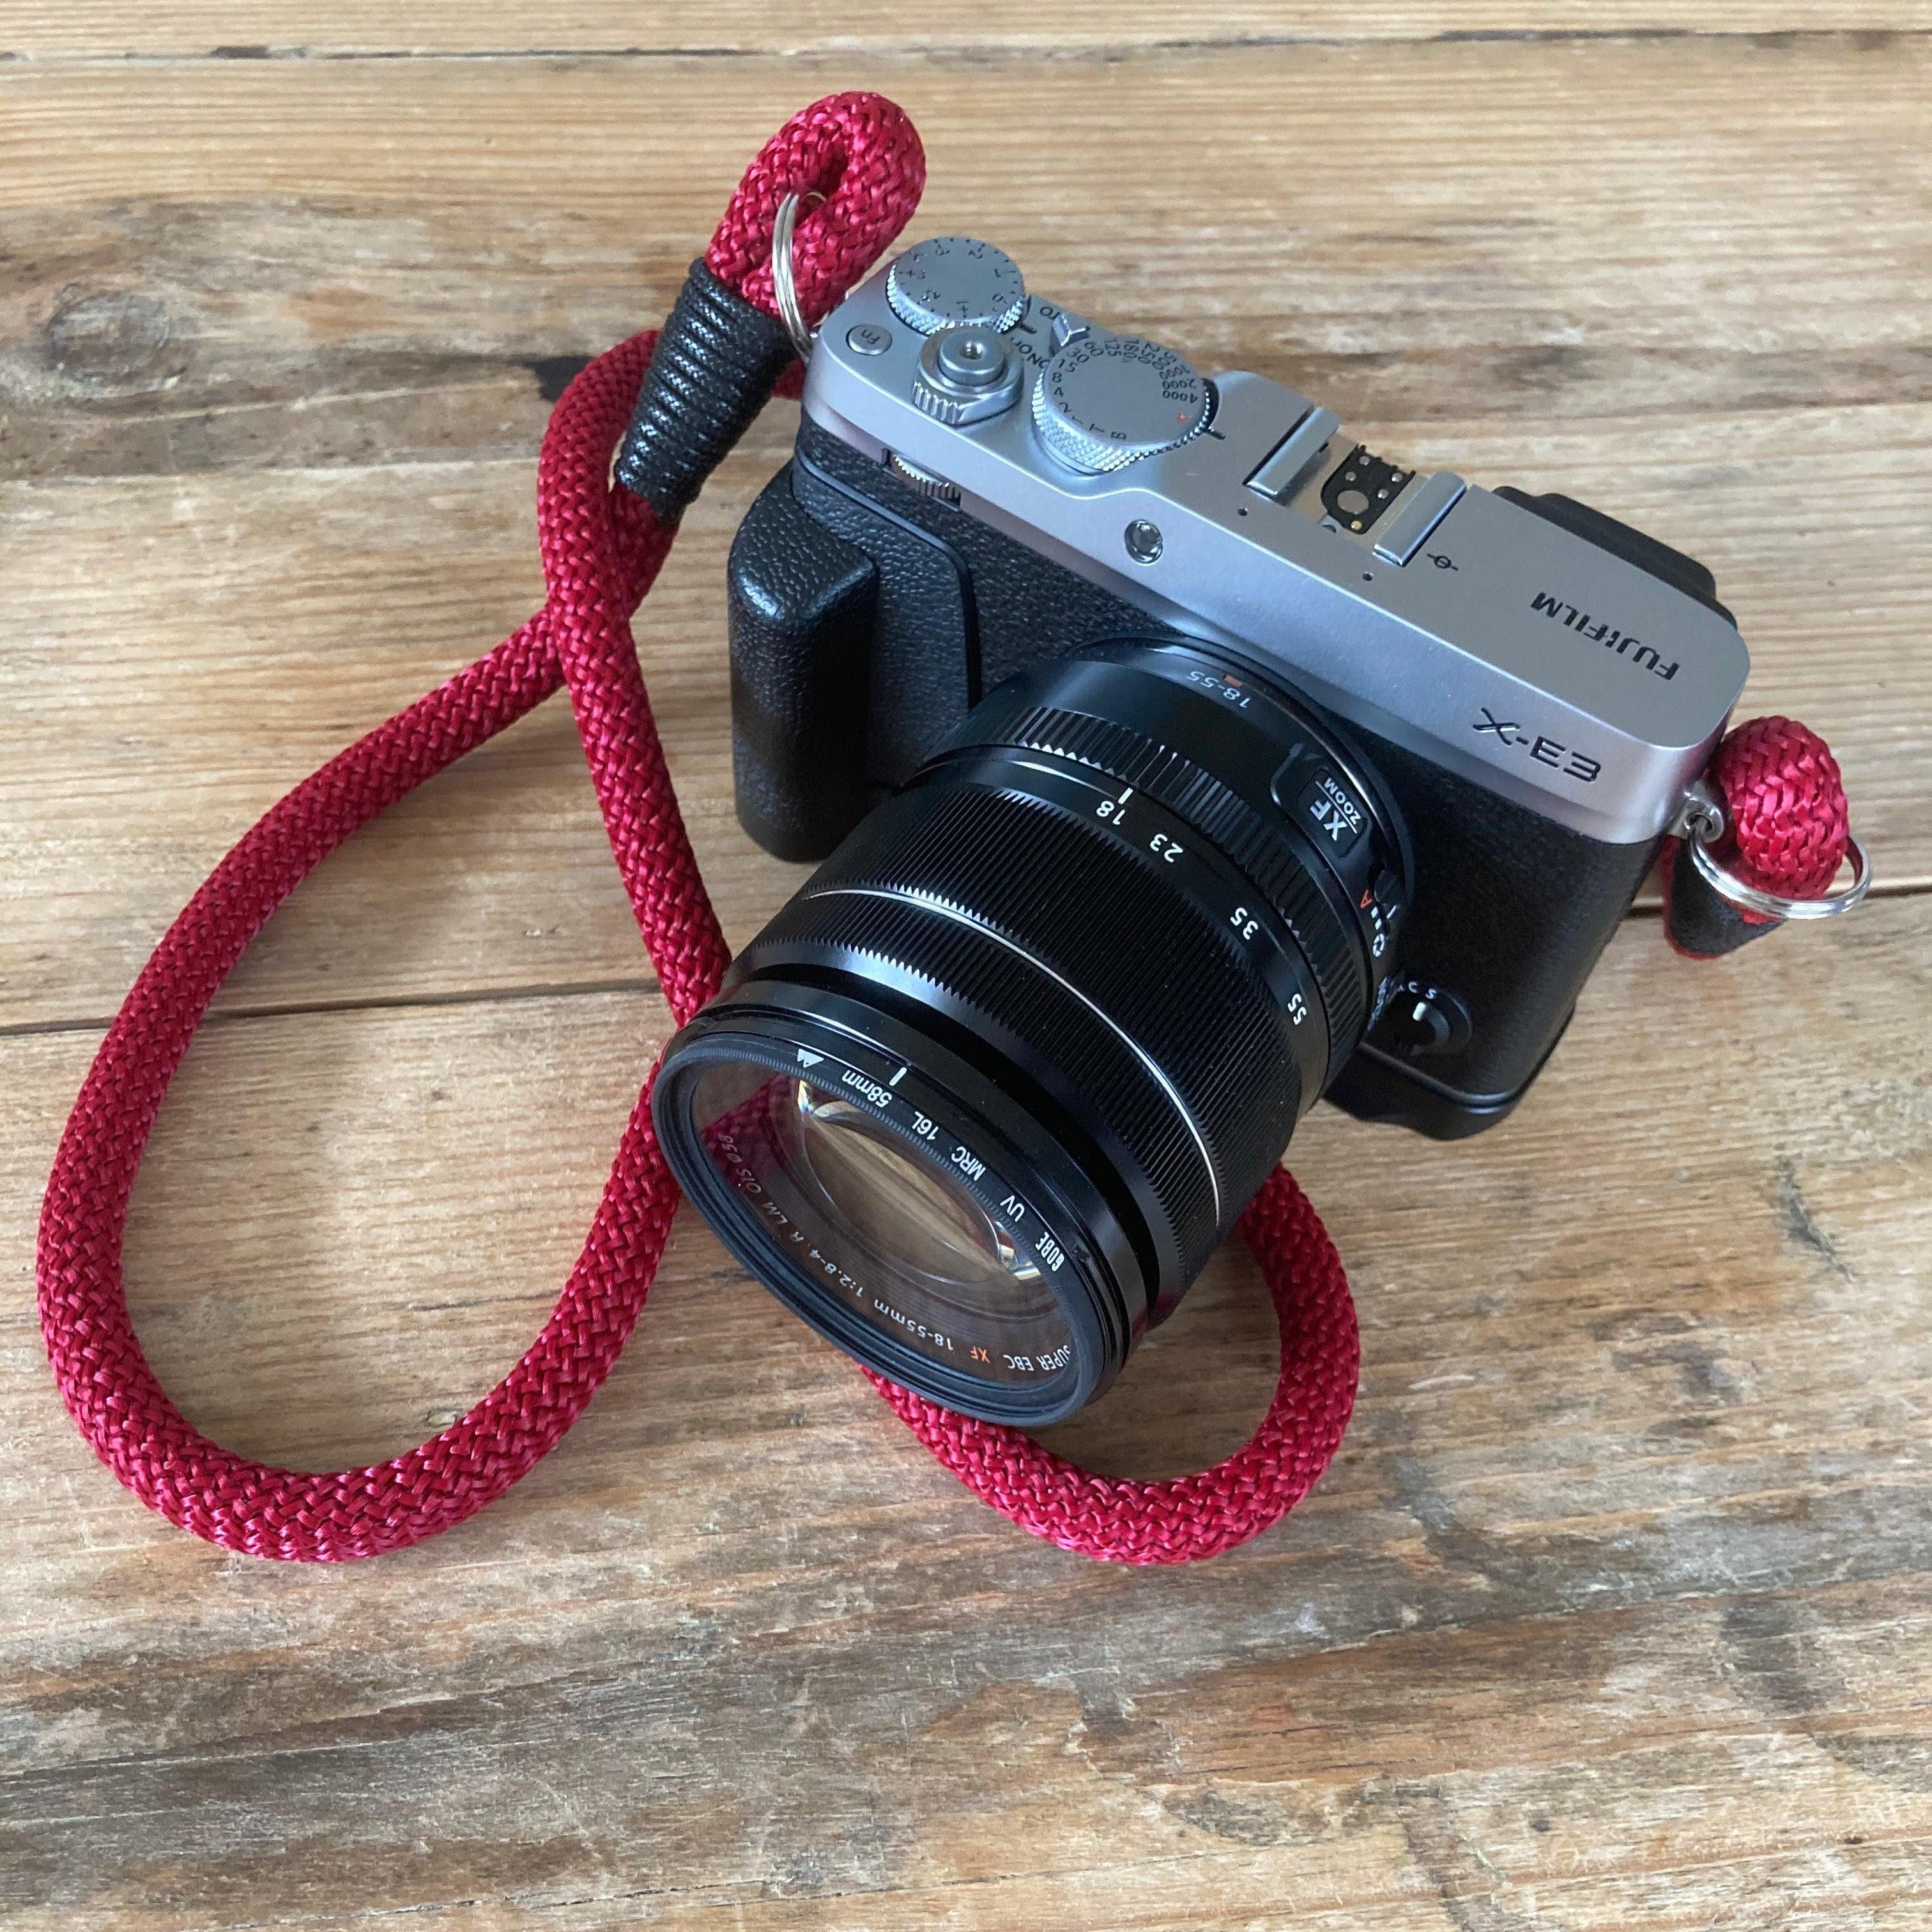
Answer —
(1786, 831)
(1784, 802)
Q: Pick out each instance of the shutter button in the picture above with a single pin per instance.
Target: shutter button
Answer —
(966, 375)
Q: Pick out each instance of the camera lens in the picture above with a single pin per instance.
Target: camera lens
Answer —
(983, 1098)
(941, 1262)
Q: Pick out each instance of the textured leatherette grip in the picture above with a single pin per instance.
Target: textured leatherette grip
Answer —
(717, 360)
(1511, 912)
(962, 607)
(801, 620)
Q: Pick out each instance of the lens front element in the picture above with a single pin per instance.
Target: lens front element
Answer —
(911, 1217)
(876, 1202)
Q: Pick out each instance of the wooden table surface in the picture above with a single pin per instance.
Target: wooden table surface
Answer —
(1613, 1610)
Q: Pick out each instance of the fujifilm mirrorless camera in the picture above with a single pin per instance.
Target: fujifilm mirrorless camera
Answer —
(1175, 761)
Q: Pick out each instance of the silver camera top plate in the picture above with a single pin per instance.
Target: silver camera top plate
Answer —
(1455, 623)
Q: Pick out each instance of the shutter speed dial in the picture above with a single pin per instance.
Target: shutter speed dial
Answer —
(1105, 401)
(954, 282)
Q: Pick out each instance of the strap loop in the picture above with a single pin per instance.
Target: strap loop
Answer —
(1787, 829)
(602, 549)
(1780, 905)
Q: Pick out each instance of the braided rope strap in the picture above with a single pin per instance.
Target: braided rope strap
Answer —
(602, 549)
(1787, 828)
(103, 1375)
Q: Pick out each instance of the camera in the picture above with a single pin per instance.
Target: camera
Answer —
(1175, 760)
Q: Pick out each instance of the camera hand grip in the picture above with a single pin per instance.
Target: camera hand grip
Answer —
(802, 605)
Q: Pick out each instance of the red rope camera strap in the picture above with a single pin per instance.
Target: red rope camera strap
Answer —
(602, 549)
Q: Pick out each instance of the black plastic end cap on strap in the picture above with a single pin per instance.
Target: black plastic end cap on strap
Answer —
(1700, 921)
(717, 360)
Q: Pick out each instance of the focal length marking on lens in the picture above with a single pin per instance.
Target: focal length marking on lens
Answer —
(1243, 919)
(960, 917)
(1271, 942)
(1022, 1220)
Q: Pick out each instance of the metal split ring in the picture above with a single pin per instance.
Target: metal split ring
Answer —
(1774, 905)
(784, 288)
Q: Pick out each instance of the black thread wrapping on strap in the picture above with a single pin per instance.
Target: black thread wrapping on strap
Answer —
(717, 361)
(1702, 922)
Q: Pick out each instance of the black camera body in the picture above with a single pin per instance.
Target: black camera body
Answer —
(1174, 762)
(874, 599)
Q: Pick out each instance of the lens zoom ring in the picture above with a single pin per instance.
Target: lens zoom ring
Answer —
(1091, 910)
(1229, 823)
(1069, 908)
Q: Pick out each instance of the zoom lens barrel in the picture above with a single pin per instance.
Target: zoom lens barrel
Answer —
(981, 1101)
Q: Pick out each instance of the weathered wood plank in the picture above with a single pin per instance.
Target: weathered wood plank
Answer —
(112, 29)
(1613, 1609)
(277, 621)
(359, 320)
(294, 222)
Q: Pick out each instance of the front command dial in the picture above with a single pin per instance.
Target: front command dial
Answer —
(1105, 401)
(954, 282)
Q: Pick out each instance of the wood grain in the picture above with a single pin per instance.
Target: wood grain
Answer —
(1615, 1609)
(359, 29)
(298, 373)
(1615, 1599)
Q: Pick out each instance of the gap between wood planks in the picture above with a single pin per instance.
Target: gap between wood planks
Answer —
(373, 1003)
(644, 985)
(930, 53)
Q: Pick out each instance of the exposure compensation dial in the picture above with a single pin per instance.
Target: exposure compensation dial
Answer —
(1105, 401)
(954, 281)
